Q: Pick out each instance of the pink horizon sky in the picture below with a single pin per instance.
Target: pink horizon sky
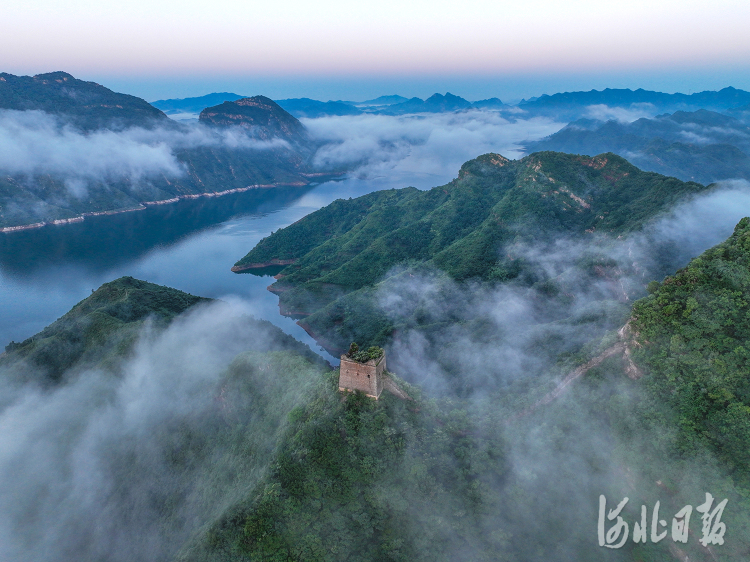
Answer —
(342, 49)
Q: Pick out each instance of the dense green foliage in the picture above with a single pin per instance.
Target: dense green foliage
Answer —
(364, 355)
(693, 335)
(87, 104)
(341, 251)
(102, 327)
(276, 464)
(359, 479)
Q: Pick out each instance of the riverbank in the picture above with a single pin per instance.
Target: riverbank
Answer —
(272, 263)
(147, 204)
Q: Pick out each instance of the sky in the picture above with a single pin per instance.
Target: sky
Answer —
(333, 49)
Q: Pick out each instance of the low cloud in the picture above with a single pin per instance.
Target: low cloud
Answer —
(582, 287)
(127, 464)
(702, 221)
(629, 114)
(500, 350)
(427, 143)
(34, 143)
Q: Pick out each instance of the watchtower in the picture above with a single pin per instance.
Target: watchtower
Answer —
(366, 376)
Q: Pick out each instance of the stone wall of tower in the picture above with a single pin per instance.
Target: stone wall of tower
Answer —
(367, 377)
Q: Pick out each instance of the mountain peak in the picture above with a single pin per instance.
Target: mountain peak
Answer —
(58, 75)
(264, 116)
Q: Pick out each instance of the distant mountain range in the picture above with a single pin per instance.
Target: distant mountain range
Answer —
(694, 143)
(381, 100)
(305, 107)
(566, 106)
(311, 109)
(386, 105)
(194, 105)
(702, 146)
(573, 105)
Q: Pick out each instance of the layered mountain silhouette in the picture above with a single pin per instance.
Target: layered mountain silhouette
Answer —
(569, 106)
(703, 146)
(194, 105)
(306, 107)
(88, 105)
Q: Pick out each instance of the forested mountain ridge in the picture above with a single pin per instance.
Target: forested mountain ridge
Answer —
(691, 337)
(433, 479)
(145, 157)
(153, 409)
(261, 116)
(87, 104)
(101, 327)
(458, 228)
(272, 462)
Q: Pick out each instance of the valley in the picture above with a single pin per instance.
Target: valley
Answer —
(558, 327)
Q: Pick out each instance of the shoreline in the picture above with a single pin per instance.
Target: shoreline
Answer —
(146, 204)
(320, 340)
(261, 265)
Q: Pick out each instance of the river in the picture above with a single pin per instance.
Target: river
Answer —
(188, 245)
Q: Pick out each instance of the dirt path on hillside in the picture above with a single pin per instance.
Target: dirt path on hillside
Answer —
(622, 348)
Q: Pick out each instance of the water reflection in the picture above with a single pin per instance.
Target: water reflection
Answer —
(189, 245)
(101, 243)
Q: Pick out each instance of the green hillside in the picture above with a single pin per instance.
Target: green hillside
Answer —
(362, 480)
(262, 116)
(692, 336)
(341, 251)
(277, 465)
(172, 460)
(87, 104)
(356, 479)
(102, 329)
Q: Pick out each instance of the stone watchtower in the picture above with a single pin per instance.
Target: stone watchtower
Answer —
(362, 370)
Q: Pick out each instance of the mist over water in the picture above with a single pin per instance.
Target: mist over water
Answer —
(435, 143)
(190, 245)
(84, 467)
(36, 143)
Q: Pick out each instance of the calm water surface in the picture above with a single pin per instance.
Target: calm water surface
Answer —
(190, 245)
